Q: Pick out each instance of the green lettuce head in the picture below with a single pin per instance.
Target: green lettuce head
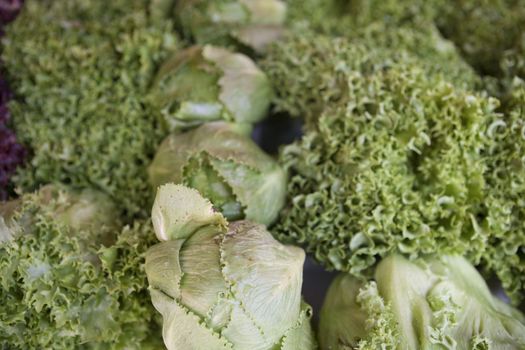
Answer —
(72, 277)
(81, 210)
(202, 84)
(435, 304)
(394, 163)
(228, 168)
(220, 285)
(248, 23)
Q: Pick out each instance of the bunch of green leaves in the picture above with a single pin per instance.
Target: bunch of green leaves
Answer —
(310, 71)
(81, 70)
(62, 288)
(392, 163)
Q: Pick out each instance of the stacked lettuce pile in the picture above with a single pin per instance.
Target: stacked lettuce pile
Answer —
(409, 177)
(395, 163)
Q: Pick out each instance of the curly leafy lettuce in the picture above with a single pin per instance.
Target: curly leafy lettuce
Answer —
(505, 198)
(67, 286)
(80, 73)
(394, 164)
(310, 71)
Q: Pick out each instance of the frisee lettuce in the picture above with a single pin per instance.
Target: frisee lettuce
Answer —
(80, 71)
(65, 285)
(392, 161)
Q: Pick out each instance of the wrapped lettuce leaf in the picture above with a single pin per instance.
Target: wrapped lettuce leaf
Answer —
(221, 285)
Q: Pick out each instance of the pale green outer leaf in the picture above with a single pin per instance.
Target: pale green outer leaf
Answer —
(202, 111)
(342, 321)
(404, 285)
(6, 232)
(218, 139)
(222, 12)
(166, 166)
(91, 214)
(243, 332)
(433, 304)
(186, 90)
(219, 22)
(202, 281)
(259, 36)
(80, 209)
(222, 141)
(265, 276)
(264, 200)
(220, 316)
(355, 316)
(245, 89)
(8, 208)
(202, 84)
(301, 335)
(178, 60)
(179, 211)
(266, 24)
(8, 227)
(163, 267)
(481, 315)
(183, 330)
